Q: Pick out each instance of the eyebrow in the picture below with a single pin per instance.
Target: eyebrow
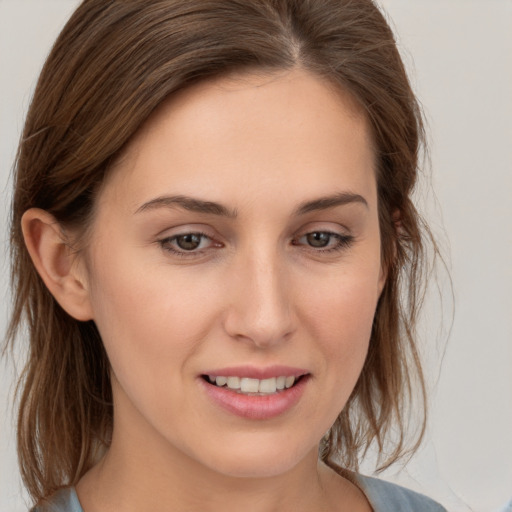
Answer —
(213, 208)
(324, 203)
(188, 203)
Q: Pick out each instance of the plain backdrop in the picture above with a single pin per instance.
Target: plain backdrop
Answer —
(459, 55)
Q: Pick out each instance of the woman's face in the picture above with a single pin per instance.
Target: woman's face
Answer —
(238, 237)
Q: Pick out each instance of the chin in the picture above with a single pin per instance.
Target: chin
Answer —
(259, 458)
(256, 467)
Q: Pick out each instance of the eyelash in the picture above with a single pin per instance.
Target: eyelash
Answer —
(343, 242)
(165, 244)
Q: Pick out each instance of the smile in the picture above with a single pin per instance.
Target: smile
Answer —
(255, 394)
(257, 387)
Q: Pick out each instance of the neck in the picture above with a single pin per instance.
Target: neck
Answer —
(132, 483)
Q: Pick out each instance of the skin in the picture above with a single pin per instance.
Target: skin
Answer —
(255, 292)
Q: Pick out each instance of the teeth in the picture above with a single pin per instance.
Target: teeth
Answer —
(280, 382)
(233, 382)
(221, 381)
(289, 382)
(268, 385)
(247, 385)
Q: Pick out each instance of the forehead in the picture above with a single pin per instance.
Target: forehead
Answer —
(250, 132)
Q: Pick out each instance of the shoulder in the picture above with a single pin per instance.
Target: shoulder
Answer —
(387, 497)
(64, 500)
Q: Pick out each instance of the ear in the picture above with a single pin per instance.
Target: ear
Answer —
(397, 233)
(60, 268)
(383, 275)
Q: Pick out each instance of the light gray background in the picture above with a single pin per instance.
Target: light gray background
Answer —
(459, 53)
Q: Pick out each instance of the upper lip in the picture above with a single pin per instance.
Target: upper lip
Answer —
(253, 372)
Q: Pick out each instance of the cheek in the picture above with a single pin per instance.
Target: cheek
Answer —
(149, 321)
(151, 327)
(340, 316)
(344, 306)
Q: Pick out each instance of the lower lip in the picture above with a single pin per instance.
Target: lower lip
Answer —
(255, 407)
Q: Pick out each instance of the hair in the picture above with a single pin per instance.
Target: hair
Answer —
(113, 64)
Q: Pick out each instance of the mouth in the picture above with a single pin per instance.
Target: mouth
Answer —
(252, 386)
(255, 393)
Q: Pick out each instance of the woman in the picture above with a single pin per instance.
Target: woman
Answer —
(212, 232)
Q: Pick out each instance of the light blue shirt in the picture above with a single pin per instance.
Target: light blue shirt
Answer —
(383, 497)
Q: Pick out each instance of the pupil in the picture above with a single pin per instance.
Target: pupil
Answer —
(189, 242)
(318, 239)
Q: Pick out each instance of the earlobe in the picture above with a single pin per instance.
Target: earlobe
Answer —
(382, 279)
(56, 263)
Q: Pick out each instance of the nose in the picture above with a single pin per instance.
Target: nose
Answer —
(260, 311)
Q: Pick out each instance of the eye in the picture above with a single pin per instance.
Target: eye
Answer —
(189, 242)
(324, 241)
(185, 244)
(318, 239)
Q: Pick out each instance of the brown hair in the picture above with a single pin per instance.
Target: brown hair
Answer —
(113, 64)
